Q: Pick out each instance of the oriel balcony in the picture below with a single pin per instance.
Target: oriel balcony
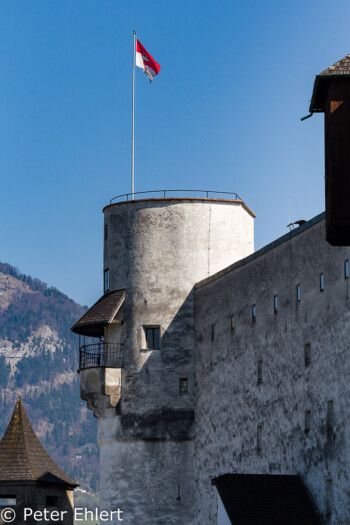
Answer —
(103, 354)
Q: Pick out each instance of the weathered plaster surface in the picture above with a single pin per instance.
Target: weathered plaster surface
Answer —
(230, 404)
(149, 480)
(158, 446)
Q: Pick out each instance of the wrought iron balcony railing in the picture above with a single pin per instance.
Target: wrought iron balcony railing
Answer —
(108, 355)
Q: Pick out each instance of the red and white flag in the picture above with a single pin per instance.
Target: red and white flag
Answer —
(146, 62)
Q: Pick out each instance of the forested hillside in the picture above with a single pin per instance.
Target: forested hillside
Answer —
(39, 360)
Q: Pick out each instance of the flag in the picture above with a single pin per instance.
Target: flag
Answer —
(146, 62)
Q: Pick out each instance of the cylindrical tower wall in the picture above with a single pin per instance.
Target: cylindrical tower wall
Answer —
(153, 481)
(156, 250)
(147, 239)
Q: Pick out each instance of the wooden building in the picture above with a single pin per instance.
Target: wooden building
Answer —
(331, 96)
(29, 477)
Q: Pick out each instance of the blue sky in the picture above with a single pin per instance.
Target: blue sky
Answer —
(223, 114)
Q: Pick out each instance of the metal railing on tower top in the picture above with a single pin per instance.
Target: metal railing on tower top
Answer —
(206, 194)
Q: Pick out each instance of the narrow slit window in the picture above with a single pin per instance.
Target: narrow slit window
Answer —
(346, 269)
(307, 354)
(183, 385)
(254, 313)
(298, 293)
(330, 416)
(259, 438)
(321, 282)
(232, 322)
(307, 421)
(328, 497)
(212, 333)
(260, 376)
(275, 304)
(178, 497)
(106, 280)
(152, 334)
(106, 232)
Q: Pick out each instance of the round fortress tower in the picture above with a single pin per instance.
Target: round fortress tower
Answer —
(139, 378)
(157, 249)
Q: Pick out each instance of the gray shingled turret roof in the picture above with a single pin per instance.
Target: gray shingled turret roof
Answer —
(340, 69)
(22, 456)
(100, 314)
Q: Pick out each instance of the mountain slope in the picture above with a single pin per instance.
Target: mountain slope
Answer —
(38, 360)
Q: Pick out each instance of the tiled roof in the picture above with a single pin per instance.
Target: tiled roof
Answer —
(100, 314)
(22, 456)
(342, 67)
(339, 69)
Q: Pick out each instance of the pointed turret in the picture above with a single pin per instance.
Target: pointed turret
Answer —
(22, 456)
(29, 477)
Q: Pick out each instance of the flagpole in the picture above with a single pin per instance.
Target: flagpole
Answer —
(133, 119)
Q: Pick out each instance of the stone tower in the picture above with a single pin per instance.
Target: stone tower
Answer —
(139, 377)
(29, 477)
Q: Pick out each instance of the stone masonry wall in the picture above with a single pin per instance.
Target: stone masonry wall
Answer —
(285, 375)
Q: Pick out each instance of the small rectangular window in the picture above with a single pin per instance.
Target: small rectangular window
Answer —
(254, 313)
(260, 377)
(7, 501)
(106, 232)
(307, 354)
(298, 293)
(307, 421)
(152, 334)
(212, 335)
(232, 322)
(183, 385)
(275, 304)
(106, 281)
(346, 269)
(321, 282)
(52, 501)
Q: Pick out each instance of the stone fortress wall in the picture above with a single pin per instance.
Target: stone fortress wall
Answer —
(272, 371)
(261, 340)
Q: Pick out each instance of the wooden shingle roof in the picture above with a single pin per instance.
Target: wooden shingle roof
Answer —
(340, 69)
(22, 456)
(100, 314)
